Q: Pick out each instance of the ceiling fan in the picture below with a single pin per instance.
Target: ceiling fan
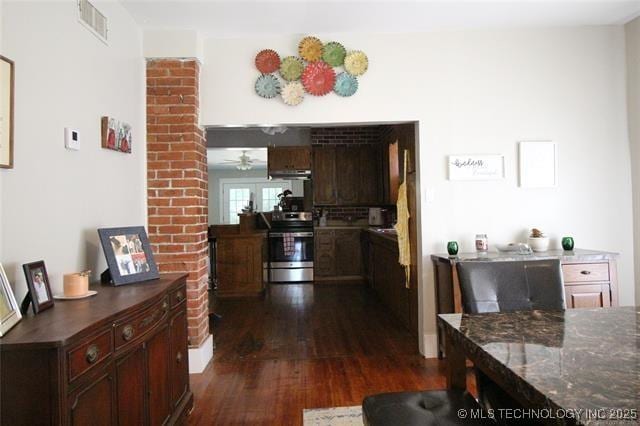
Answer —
(244, 162)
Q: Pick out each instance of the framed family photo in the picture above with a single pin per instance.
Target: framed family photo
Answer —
(38, 284)
(6, 112)
(9, 310)
(128, 254)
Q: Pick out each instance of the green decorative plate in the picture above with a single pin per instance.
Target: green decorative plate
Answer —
(333, 53)
(291, 68)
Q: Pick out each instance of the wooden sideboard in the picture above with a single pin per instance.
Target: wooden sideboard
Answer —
(119, 357)
(590, 278)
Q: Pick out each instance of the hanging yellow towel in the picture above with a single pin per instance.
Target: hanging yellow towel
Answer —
(402, 226)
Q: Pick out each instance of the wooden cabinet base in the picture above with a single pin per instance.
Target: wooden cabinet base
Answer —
(62, 366)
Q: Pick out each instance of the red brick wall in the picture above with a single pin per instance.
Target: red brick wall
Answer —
(177, 182)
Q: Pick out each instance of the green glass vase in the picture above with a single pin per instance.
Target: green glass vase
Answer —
(567, 243)
(452, 248)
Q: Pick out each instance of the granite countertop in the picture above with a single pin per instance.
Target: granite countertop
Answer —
(565, 256)
(574, 359)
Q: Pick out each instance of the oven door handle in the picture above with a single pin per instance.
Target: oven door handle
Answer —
(293, 234)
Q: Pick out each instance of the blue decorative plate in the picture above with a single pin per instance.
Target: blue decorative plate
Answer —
(346, 84)
(268, 86)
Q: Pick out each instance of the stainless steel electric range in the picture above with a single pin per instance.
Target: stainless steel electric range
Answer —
(291, 247)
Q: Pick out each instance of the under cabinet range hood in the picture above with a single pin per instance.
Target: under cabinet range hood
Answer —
(290, 174)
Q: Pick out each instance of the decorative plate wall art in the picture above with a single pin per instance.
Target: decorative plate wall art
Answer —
(346, 84)
(291, 68)
(293, 93)
(318, 70)
(356, 63)
(310, 48)
(318, 78)
(268, 86)
(333, 53)
(267, 61)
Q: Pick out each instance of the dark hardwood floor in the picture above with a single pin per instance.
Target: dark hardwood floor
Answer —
(305, 346)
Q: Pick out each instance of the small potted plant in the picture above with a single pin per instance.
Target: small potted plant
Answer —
(537, 240)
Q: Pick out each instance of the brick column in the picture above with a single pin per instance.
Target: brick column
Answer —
(178, 183)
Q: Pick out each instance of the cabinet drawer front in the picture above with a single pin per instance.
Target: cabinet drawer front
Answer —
(178, 296)
(585, 272)
(131, 330)
(83, 357)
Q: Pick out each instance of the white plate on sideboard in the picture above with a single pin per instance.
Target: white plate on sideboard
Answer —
(63, 297)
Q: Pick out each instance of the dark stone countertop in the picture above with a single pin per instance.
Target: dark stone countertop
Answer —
(577, 255)
(575, 359)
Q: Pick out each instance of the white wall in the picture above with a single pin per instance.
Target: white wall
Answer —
(54, 200)
(632, 30)
(476, 92)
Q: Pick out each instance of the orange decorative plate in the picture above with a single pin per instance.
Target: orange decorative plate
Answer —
(318, 78)
(267, 61)
(310, 49)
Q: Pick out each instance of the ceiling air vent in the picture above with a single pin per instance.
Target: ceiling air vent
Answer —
(91, 18)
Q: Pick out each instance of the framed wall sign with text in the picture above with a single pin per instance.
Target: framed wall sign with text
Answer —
(476, 167)
(538, 164)
(6, 112)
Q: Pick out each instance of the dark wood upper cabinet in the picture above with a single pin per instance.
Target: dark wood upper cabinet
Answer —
(289, 158)
(324, 175)
(348, 175)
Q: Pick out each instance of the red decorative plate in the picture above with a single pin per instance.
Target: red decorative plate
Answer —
(267, 61)
(318, 78)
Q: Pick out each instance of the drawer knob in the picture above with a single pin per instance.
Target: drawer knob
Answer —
(165, 306)
(179, 357)
(92, 354)
(179, 296)
(585, 272)
(127, 333)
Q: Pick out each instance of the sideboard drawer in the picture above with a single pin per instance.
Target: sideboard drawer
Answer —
(131, 330)
(178, 296)
(91, 353)
(585, 272)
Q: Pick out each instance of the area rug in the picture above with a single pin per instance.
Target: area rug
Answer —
(337, 416)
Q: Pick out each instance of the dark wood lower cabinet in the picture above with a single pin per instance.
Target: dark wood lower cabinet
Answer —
(92, 404)
(118, 358)
(130, 375)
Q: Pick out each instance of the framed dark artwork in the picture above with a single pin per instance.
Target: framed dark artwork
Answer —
(9, 310)
(116, 135)
(6, 112)
(38, 284)
(128, 255)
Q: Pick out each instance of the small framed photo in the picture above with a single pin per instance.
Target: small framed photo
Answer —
(9, 310)
(38, 283)
(128, 254)
(6, 112)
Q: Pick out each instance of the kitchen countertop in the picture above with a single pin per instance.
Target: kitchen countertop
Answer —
(576, 255)
(573, 359)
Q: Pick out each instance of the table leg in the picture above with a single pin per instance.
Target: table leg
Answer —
(456, 365)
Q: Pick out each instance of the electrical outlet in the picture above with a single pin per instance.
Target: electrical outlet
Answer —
(71, 139)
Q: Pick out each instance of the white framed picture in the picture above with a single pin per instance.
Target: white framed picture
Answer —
(538, 164)
(476, 167)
